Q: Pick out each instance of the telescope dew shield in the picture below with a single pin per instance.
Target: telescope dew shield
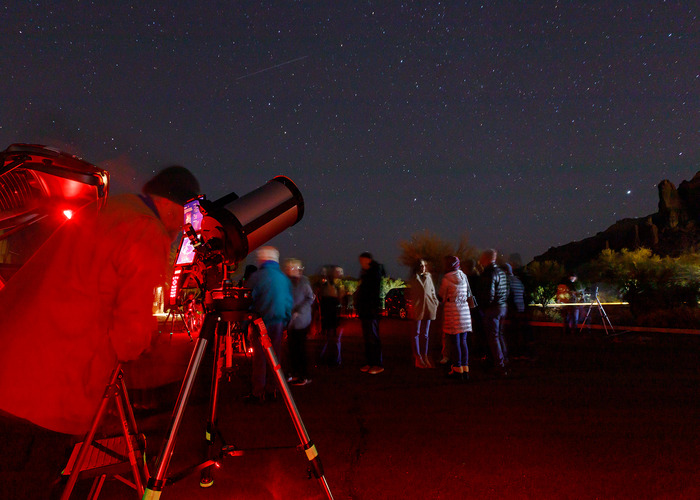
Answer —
(253, 219)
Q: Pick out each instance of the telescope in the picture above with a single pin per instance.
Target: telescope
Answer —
(217, 235)
(222, 233)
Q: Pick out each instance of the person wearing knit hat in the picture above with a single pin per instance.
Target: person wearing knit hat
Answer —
(93, 281)
(457, 321)
(167, 192)
(175, 183)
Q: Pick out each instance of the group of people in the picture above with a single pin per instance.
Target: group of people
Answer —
(283, 298)
(476, 303)
(93, 283)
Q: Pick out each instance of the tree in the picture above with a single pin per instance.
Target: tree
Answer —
(433, 249)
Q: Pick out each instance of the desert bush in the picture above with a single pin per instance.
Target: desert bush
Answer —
(649, 282)
(541, 279)
(546, 314)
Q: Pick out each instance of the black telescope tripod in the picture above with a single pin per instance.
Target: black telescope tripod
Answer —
(607, 325)
(230, 307)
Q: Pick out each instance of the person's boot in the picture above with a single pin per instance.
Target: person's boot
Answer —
(455, 373)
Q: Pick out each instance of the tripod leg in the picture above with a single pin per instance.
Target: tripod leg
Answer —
(588, 314)
(87, 442)
(604, 317)
(207, 478)
(157, 482)
(131, 423)
(306, 443)
(187, 328)
(131, 452)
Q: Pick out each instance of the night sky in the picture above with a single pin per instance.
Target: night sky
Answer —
(523, 125)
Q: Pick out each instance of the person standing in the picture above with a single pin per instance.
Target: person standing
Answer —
(369, 308)
(424, 303)
(80, 305)
(520, 334)
(300, 323)
(492, 299)
(457, 321)
(272, 298)
(330, 295)
(570, 291)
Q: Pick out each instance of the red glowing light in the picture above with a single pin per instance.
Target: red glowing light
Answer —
(68, 213)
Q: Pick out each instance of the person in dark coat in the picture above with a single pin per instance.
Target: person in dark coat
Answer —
(369, 308)
(492, 299)
(331, 294)
(518, 331)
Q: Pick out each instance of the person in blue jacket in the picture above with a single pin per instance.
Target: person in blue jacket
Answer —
(272, 301)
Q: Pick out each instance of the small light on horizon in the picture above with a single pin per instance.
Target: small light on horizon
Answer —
(629, 191)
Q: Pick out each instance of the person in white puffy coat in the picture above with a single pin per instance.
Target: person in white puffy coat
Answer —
(457, 322)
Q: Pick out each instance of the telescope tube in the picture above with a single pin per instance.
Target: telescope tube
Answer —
(253, 219)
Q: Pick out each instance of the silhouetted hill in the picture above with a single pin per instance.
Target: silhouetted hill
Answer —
(672, 231)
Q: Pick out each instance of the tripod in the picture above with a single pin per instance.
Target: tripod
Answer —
(229, 307)
(99, 458)
(173, 314)
(603, 315)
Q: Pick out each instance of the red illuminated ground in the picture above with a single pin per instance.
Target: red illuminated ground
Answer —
(592, 418)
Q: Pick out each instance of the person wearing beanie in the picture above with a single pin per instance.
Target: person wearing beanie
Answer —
(82, 303)
(271, 291)
(457, 322)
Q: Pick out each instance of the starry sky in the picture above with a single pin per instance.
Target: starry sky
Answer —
(522, 125)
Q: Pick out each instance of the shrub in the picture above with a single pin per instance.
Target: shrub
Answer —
(648, 282)
(541, 279)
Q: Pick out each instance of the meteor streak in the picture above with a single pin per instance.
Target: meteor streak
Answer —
(272, 67)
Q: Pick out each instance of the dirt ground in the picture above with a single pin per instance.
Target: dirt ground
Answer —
(593, 416)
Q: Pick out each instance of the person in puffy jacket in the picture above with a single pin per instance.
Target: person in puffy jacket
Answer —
(457, 321)
(492, 299)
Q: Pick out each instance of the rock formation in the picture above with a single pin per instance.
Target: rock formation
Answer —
(672, 231)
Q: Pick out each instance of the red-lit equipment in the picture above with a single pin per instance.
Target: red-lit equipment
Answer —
(40, 189)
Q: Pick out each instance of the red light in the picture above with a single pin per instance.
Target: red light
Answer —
(68, 214)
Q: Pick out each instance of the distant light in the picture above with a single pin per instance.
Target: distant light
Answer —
(629, 191)
(68, 214)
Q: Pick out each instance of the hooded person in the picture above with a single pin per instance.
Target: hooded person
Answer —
(80, 304)
(454, 293)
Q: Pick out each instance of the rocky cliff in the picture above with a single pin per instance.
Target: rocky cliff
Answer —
(673, 230)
